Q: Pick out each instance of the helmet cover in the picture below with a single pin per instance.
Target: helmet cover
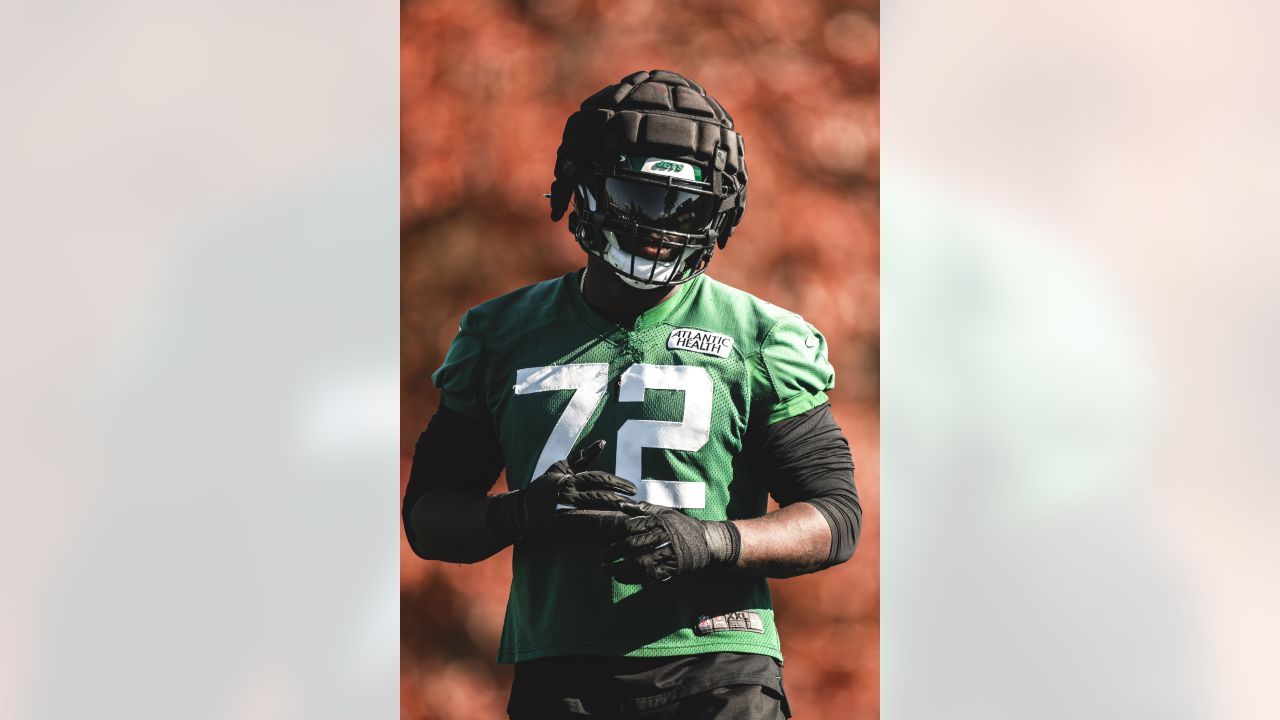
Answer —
(651, 161)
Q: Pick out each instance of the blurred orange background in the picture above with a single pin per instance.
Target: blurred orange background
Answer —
(486, 86)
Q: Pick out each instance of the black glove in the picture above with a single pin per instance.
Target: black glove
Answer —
(662, 542)
(595, 496)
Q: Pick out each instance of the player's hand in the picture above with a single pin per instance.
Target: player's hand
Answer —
(661, 543)
(567, 502)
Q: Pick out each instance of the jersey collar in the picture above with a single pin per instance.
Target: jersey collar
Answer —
(649, 318)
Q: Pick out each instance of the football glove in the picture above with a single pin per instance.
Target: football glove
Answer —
(593, 498)
(662, 542)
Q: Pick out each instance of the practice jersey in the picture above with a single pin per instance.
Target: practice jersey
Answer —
(673, 396)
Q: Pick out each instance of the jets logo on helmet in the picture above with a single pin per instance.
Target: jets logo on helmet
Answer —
(684, 171)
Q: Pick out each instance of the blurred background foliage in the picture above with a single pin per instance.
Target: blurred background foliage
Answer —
(486, 86)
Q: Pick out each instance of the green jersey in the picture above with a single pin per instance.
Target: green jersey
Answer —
(674, 396)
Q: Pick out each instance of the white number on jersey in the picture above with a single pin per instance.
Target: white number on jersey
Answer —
(588, 381)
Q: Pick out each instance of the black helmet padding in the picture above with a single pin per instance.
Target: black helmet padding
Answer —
(660, 114)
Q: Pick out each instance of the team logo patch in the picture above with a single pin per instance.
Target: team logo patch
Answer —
(741, 621)
(682, 170)
(700, 341)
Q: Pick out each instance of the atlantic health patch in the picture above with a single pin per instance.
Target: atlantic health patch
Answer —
(700, 341)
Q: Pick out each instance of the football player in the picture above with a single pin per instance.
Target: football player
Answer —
(642, 411)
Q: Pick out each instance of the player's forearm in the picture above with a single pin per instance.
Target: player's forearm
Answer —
(793, 540)
(451, 526)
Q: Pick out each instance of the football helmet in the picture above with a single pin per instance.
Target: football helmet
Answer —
(656, 176)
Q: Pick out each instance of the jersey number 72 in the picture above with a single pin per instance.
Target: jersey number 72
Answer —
(588, 381)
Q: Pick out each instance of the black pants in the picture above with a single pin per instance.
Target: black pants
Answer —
(714, 686)
(736, 702)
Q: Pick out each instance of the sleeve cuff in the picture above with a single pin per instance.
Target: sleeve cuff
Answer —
(796, 405)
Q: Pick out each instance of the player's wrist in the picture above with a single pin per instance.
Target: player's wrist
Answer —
(724, 543)
(507, 516)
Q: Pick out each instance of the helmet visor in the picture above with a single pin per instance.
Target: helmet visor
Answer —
(659, 206)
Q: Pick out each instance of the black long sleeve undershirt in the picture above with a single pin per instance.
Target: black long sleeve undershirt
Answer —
(805, 458)
(455, 452)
